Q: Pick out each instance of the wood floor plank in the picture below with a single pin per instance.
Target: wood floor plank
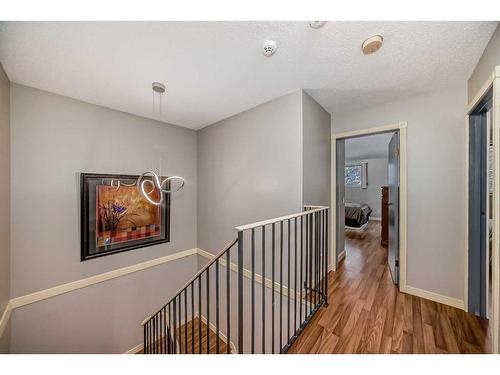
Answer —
(368, 314)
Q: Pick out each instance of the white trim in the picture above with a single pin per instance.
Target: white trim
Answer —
(445, 300)
(5, 317)
(496, 215)
(369, 131)
(482, 91)
(83, 283)
(403, 191)
(466, 229)
(341, 255)
(375, 218)
(136, 349)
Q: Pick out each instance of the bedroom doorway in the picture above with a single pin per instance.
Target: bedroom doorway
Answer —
(370, 198)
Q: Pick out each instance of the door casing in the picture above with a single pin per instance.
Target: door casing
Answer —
(493, 82)
(403, 201)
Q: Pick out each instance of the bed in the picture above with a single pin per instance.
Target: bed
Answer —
(357, 215)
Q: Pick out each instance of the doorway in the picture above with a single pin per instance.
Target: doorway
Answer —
(480, 208)
(396, 203)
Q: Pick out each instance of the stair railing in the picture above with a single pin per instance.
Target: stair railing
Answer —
(291, 254)
(162, 331)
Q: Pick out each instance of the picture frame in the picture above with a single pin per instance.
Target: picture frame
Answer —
(115, 217)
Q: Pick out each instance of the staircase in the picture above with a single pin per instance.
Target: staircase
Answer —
(255, 296)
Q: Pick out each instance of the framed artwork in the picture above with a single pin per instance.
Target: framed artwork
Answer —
(116, 217)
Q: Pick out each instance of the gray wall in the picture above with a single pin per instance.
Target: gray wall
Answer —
(53, 138)
(485, 66)
(4, 199)
(249, 169)
(316, 152)
(436, 175)
(103, 318)
(376, 178)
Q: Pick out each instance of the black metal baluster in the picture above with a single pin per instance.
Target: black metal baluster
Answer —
(162, 334)
(228, 300)
(315, 229)
(315, 259)
(318, 274)
(272, 285)
(170, 349)
(281, 287)
(288, 284)
(200, 343)
(208, 310)
(263, 289)
(192, 317)
(253, 291)
(326, 258)
(311, 297)
(174, 328)
(179, 305)
(301, 265)
(155, 327)
(306, 276)
(217, 304)
(185, 322)
(320, 257)
(295, 278)
(146, 341)
(240, 292)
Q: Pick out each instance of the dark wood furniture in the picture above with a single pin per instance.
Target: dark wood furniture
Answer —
(384, 235)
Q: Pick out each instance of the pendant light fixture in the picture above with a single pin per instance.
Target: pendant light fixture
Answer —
(151, 182)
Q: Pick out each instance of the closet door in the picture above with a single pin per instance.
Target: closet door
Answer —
(393, 204)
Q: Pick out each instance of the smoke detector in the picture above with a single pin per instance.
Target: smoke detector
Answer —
(269, 48)
(317, 24)
(372, 44)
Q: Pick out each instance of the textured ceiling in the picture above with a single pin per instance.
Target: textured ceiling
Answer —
(216, 69)
(368, 147)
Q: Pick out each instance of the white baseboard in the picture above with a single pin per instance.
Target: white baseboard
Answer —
(375, 218)
(341, 256)
(5, 317)
(135, 349)
(445, 300)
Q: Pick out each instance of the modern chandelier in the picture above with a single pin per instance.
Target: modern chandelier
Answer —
(150, 182)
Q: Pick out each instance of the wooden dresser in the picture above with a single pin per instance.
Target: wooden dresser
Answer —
(384, 235)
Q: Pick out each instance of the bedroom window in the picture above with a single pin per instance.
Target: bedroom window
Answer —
(355, 175)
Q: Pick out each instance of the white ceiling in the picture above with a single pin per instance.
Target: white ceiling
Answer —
(368, 147)
(215, 69)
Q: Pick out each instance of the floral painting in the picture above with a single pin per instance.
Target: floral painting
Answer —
(116, 217)
(124, 214)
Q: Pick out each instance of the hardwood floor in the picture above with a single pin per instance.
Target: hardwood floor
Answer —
(204, 328)
(182, 343)
(368, 314)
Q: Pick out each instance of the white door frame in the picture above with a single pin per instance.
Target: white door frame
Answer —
(493, 81)
(403, 203)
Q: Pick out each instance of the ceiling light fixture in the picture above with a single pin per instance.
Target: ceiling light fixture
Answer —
(317, 24)
(150, 182)
(372, 44)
